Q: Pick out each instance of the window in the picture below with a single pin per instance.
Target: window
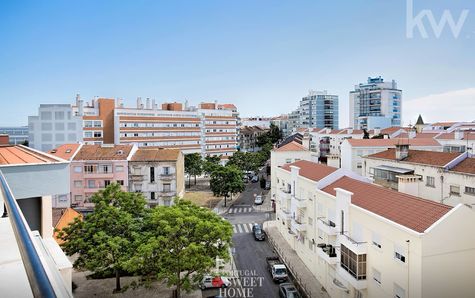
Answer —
(288, 160)
(105, 169)
(120, 182)
(358, 165)
(353, 263)
(78, 198)
(90, 169)
(77, 169)
(399, 292)
(59, 115)
(152, 196)
(97, 123)
(310, 221)
(430, 181)
(377, 276)
(166, 187)
(98, 134)
(166, 171)
(455, 190)
(78, 183)
(400, 256)
(376, 240)
(119, 168)
(88, 134)
(470, 190)
(87, 123)
(358, 294)
(91, 183)
(107, 183)
(152, 174)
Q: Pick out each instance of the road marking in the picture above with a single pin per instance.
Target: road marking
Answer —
(246, 228)
(239, 228)
(234, 229)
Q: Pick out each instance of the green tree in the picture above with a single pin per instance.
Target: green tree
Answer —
(180, 244)
(226, 181)
(193, 166)
(104, 240)
(210, 164)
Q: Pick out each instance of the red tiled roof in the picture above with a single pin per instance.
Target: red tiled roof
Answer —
(443, 123)
(65, 151)
(426, 135)
(99, 152)
(292, 146)
(335, 131)
(229, 106)
(392, 142)
(155, 154)
(466, 166)
(392, 129)
(311, 170)
(432, 158)
(412, 212)
(470, 135)
(17, 154)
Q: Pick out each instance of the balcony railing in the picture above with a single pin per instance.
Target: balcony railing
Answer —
(42, 283)
(327, 252)
(358, 247)
(326, 226)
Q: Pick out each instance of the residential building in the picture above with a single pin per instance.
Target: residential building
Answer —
(362, 240)
(352, 150)
(16, 134)
(158, 174)
(94, 167)
(319, 109)
(248, 137)
(375, 104)
(445, 177)
(282, 122)
(263, 122)
(458, 141)
(209, 129)
(31, 262)
(56, 124)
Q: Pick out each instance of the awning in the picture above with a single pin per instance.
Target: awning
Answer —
(394, 169)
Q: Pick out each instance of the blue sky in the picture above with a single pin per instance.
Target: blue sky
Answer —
(261, 55)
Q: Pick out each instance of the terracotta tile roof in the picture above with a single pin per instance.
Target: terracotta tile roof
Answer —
(443, 123)
(311, 170)
(391, 142)
(412, 212)
(228, 106)
(62, 217)
(65, 151)
(470, 135)
(155, 154)
(426, 135)
(100, 152)
(393, 129)
(335, 131)
(466, 166)
(403, 135)
(432, 158)
(18, 154)
(292, 146)
(316, 129)
(357, 132)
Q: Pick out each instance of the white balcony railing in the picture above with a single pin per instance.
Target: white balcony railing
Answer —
(327, 226)
(327, 253)
(358, 247)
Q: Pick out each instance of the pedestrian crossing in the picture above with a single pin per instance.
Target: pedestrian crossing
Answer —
(241, 210)
(242, 228)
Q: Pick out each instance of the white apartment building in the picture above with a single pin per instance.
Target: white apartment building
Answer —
(282, 122)
(158, 174)
(375, 104)
(16, 134)
(363, 240)
(353, 150)
(56, 124)
(445, 177)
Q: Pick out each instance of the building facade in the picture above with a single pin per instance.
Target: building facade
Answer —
(375, 104)
(445, 177)
(17, 134)
(248, 137)
(361, 240)
(319, 109)
(158, 174)
(209, 129)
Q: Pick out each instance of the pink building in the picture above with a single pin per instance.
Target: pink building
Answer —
(94, 167)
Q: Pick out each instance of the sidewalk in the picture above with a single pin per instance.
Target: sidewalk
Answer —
(299, 270)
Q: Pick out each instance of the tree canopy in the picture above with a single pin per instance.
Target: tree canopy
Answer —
(210, 164)
(193, 165)
(226, 181)
(104, 240)
(180, 243)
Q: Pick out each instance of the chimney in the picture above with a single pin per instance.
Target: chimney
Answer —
(458, 134)
(154, 105)
(147, 103)
(402, 151)
(408, 184)
(350, 131)
(4, 139)
(377, 131)
(139, 103)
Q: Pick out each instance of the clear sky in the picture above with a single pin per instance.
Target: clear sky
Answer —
(261, 55)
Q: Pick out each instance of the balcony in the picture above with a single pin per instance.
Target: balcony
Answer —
(327, 226)
(299, 202)
(358, 247)
(328, 253)
(98, 175)
(168, 176)
(167, 193)
(298, 225)
(136, 177)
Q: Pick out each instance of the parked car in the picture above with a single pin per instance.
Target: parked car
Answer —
(288, 290)
(258, 232)
(258, 200)
(267, 185)
(255, 179)
(214, 282)
(245, 179)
